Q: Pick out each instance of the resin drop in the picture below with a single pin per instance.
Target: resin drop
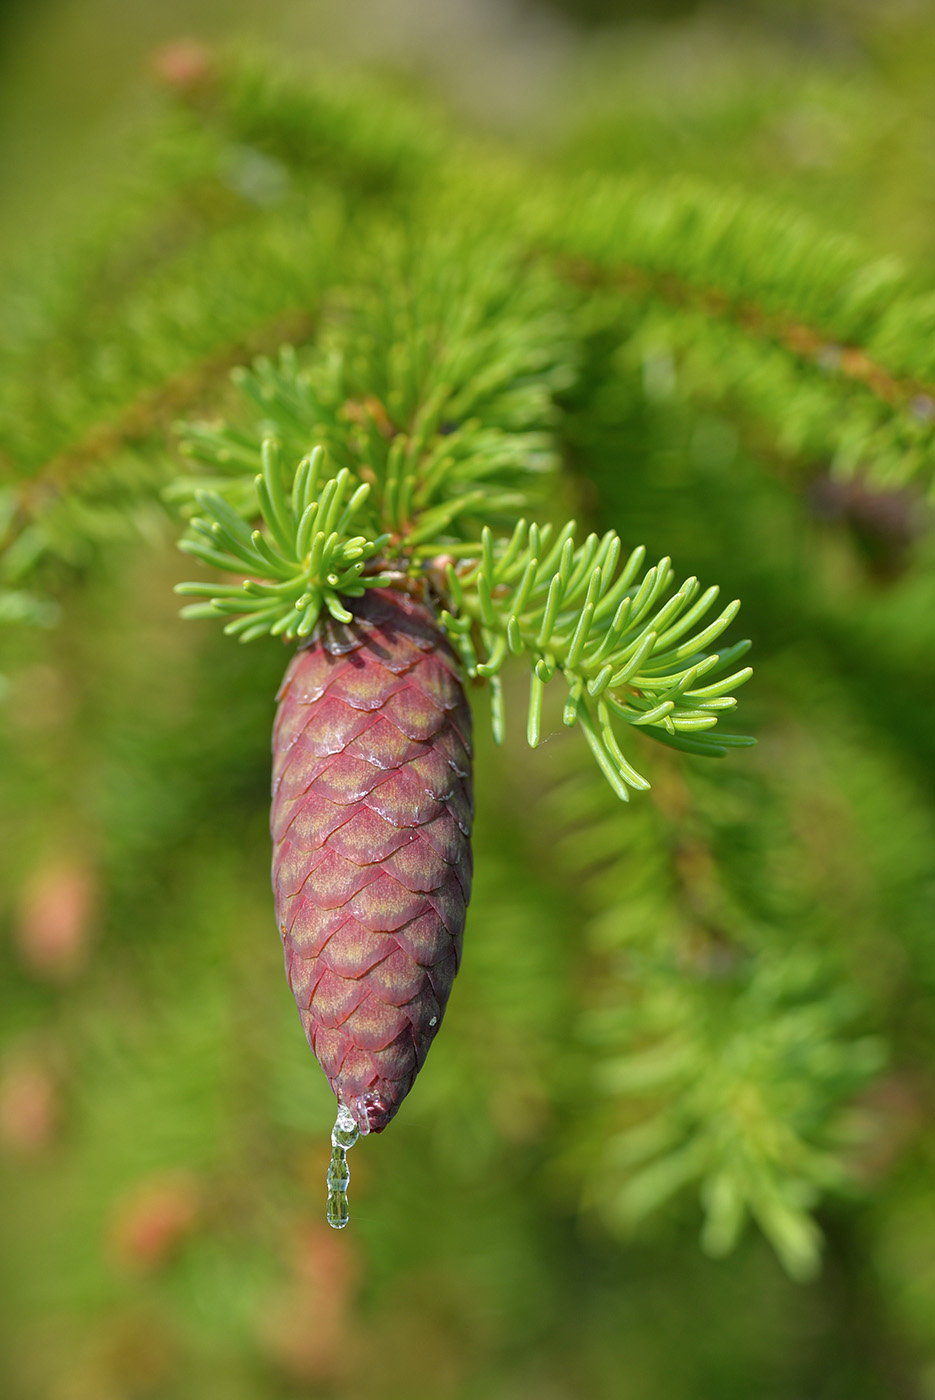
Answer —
(343, 1136)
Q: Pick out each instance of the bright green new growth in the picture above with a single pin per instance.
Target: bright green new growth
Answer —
(626, 646)
(305, 555)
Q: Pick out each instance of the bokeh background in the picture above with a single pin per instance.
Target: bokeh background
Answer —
(163, 1132)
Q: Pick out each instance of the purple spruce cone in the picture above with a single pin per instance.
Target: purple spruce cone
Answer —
(371, 821)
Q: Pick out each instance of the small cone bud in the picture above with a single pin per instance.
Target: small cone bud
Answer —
(151, 1222)
(30, 1106)
(56, 917)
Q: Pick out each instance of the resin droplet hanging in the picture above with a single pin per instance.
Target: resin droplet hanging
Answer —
(343, 1136)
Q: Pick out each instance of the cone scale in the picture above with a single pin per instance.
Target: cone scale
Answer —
(371, 820)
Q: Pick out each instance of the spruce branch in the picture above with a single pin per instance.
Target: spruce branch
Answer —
(724, 1039)
(452, 346)
(743, 1089)
(628, 648)
(759, 309)
(433, 380)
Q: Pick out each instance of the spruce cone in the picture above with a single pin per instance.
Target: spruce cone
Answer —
(371, 822)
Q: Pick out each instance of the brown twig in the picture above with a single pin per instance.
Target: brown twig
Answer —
(155, 409)
(804, 341)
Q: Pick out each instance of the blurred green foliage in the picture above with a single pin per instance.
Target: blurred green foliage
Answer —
(742, 957)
